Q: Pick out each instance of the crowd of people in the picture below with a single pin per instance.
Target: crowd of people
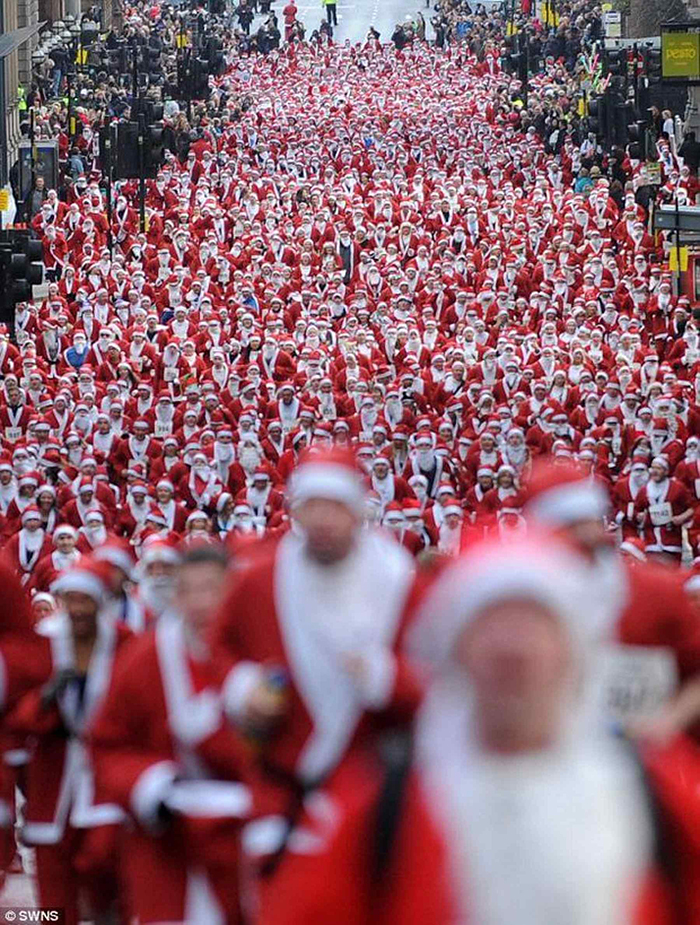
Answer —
(393, 376)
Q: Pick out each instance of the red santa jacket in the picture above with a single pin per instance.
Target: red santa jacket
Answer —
(660, 534)
(160, 720)
(340, 881)
(261, 626)
(59, 785)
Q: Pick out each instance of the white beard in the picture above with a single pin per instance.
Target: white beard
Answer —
(33, 541)
(157, 593)
(224, 453)
(507, 821)
(449, 540)
(256, 498)
(657, 444)
(63, 560)
(657, 491)
(516, 456)
(249, 460)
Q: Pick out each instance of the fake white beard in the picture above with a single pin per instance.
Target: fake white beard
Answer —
(516, 455)
(249, 459)
(224, 453)
(96, 535)
(33, 540)
(157, 593)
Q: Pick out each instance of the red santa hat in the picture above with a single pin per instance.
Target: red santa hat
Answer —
(634, 547)
(116, 552)
(90, 577)
(561, 494)
(330, 475)
(532, 567)
(31, 512)
(156, 549)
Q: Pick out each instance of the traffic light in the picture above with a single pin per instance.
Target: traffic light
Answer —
(21, 267)
(151, 111)
(616, 62)
(652, 63)
(200, 79)
(127, 165)
(118, 59)
(153, 151)
(127, 161)
(150, 60)
(637, 138)
(598, 117)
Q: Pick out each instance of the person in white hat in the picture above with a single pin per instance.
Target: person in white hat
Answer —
(25, 549)
(73, 832)
(312, 646)
(64, 555)
(164, 753)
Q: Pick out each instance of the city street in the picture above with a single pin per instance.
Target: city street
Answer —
(355, 17)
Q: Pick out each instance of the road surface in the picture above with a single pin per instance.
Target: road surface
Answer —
(355, 17)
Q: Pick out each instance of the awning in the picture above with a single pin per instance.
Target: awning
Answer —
(12, 40)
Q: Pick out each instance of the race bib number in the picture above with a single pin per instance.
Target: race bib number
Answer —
(170, 374)
(13, 434)
(635, 681)
(162, 430)
(660, 514)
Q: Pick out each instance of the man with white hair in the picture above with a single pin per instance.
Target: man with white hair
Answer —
(312, 648)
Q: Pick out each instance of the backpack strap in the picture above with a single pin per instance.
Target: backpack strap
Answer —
(396, 755)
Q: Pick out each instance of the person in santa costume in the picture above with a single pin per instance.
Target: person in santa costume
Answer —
(118, 556)
(312, 650)
(75, 836)
(662, 507)
(155, 573)
(163, 752)
(26, 548)
(469, 824)
(64, 555)
(651, 662)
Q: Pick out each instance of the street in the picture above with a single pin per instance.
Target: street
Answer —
(355, 17)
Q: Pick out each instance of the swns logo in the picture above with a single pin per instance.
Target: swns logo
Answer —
(32, 915)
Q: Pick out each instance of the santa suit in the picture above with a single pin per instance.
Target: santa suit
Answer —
(13, 422)
(161, 720)
(624, 496)
(391, 488)
(48, 569)
(453, 855)
(276, 614)
(62, 819)
(24, 550)
(688, 472)
(659, 502)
